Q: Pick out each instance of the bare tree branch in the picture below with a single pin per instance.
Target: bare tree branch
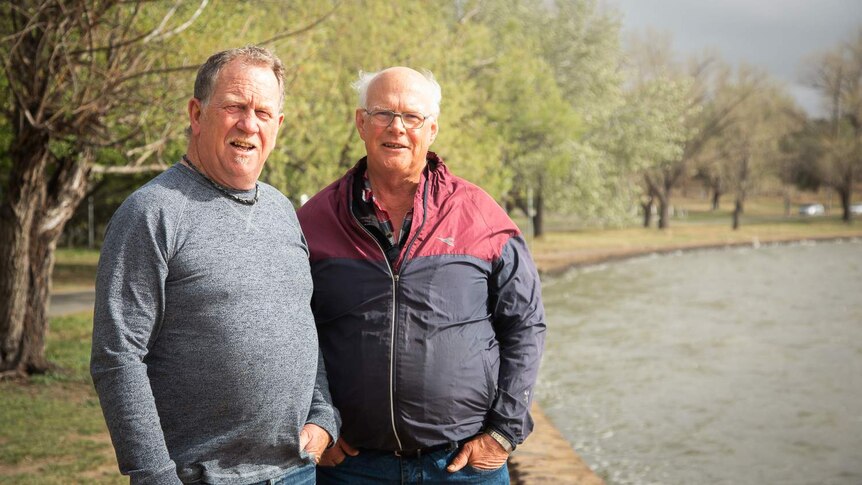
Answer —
(301, 30)
(185, 25)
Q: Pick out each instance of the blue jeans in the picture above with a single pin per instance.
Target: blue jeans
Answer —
(378, 467)
(303, 475)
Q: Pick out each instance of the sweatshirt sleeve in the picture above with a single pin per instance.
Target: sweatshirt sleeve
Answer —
(322, 412)
(130, 301)
(519, 323)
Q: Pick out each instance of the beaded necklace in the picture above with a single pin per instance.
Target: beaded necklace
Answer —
(224, 190)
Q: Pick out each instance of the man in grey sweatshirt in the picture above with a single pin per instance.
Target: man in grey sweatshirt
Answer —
(205, 354)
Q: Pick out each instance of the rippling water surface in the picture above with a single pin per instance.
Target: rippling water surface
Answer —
(739, 366)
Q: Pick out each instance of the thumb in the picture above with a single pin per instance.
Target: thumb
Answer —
(304, 438)
(459, 461)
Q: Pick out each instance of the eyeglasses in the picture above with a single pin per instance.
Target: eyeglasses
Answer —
(384, 117)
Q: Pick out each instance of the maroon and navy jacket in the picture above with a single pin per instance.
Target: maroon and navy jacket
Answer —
(442, 344)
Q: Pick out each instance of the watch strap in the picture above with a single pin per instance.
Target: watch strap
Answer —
(499, 438)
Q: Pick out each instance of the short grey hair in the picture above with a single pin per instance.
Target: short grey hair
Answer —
(251, 55)
(365, 79)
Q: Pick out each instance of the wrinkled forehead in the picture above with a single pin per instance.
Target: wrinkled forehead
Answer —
(255, 83)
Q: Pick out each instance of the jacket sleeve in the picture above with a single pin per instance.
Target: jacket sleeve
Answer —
(322, 412)
(130, 289)
(515, 301)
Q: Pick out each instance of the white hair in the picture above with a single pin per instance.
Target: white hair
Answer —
(365, 79)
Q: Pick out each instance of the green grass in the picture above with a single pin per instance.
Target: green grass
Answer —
(52, 427)
(75, 256)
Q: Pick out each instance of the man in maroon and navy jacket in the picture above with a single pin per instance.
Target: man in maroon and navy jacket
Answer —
(427, 303)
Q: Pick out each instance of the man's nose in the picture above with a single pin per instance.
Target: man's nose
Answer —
(400, 126)
(248, 122)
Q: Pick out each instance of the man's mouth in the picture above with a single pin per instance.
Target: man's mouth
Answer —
(242, 145)
(394, 145)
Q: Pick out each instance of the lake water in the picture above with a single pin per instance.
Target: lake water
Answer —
(737, 366)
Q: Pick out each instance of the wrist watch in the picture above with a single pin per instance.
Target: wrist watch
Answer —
(499, 438)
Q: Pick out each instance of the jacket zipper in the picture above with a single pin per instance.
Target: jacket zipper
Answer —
(395, 277)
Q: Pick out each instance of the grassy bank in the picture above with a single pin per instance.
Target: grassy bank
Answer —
(557, 251)
(52, 429)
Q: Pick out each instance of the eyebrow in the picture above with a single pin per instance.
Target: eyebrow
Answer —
(380, 108)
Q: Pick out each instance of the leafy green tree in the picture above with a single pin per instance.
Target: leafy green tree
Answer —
(709, 112)
(648, 128)
(546, 91)
(319, 141)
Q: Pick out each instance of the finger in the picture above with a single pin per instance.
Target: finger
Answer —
(332, 456)
(459, 461)
(304, 438)
(346, 448)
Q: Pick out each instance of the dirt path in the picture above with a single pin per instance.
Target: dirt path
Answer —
(66, 302)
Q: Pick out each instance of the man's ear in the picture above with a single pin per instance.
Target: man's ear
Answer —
(360, 122)
(434, 128)
(195, 110)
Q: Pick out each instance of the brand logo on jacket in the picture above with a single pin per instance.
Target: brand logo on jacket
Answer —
(447, 240)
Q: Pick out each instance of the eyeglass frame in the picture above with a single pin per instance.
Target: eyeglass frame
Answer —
(399, 115)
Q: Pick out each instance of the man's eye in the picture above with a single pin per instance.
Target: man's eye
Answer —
(412, 117)
(232, 108)
(264, 115)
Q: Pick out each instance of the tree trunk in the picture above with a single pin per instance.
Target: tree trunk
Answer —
(716, 198)
(538, 217)
(34, 211)
(737, 212)
(844, 194)
(647, 207)
(24, 195)
(664, 211)
(664, 201)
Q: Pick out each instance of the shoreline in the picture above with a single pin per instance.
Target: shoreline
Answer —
(557, 264)
(546, 456)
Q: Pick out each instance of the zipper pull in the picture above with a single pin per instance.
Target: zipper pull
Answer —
(396, 278)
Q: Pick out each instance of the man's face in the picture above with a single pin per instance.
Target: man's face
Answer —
(393, 147)
(236, 130)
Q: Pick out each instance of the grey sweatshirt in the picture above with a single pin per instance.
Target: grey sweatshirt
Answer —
(205, 355)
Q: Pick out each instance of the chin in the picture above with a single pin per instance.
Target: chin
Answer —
(252, 159)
